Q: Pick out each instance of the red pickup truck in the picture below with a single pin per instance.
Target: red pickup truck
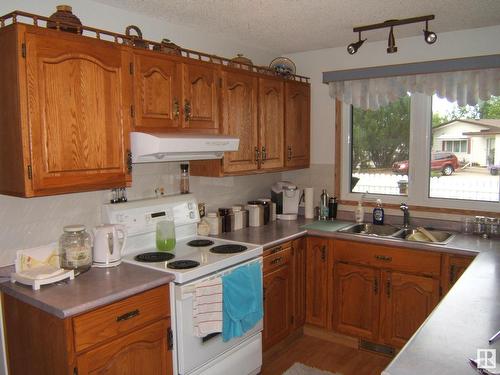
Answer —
(446, 162)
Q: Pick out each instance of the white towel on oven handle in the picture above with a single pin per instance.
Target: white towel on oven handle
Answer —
(207, 307)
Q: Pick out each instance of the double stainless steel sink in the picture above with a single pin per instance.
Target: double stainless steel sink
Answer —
(406, 234)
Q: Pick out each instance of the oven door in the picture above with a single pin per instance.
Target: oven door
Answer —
(194, 352)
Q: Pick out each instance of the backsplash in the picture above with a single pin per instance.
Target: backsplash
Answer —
(29, 222)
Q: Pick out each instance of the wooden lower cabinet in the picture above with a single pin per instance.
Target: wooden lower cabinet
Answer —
(277, 312)
(284, 291)
(317, 292)
(406, 301)
(357, 299)
(299, 281)
(453, 267)
(144, 351)
(128, 337)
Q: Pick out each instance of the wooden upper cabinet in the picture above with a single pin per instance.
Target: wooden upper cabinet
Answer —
(297, 124)
(239, 118)
(356, 294)
(317, 290)
(271, 123)
(77, 95)
(200, 97)
(157, 96)
(406, 301)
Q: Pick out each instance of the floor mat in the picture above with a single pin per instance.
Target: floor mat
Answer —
(301, 369)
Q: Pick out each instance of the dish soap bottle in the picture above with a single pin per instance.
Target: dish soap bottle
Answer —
(323, 205)
(359, 213)
(378, 213)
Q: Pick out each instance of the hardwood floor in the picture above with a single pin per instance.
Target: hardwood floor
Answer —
(324, 355)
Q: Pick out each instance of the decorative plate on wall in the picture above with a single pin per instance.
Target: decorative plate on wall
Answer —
(283, 66)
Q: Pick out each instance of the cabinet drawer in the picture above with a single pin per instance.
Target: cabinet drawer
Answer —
(426, 262)
(277, 259)
(277, 248)
(119, 317)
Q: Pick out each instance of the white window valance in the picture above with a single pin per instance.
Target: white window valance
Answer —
(464, 87)
(465, 80)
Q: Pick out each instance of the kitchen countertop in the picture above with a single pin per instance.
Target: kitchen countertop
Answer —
(94, 288)
(462, 322)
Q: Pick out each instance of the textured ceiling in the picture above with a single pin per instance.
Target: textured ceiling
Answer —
(287, 26)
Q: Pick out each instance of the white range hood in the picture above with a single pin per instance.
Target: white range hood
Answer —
(160, 147)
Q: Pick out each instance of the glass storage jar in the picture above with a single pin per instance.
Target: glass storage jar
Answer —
(75, 249)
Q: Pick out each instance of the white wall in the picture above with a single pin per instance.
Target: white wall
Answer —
(474, 42)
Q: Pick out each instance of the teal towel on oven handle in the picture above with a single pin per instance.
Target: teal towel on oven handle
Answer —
(241, 300)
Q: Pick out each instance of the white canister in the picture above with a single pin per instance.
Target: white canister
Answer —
(215, 223)
(238, 217)
(255, 215)
(273, 211)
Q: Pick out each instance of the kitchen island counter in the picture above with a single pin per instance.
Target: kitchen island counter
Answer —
(94, 288)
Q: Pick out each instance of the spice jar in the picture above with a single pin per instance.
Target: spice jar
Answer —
(75, 249)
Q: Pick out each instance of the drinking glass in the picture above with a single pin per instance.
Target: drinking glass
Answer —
(467, 225)
(165, 235)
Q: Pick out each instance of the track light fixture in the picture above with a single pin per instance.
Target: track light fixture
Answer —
(429, 36)
(353, 47)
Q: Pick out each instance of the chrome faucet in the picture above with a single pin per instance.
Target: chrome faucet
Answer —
(406, 214)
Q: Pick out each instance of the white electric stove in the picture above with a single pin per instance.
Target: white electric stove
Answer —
(208, 257)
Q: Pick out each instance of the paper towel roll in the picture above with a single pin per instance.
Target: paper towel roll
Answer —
(309, 202)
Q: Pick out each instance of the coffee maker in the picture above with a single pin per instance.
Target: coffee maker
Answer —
(287, 197)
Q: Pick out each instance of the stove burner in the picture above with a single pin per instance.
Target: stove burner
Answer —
(200, 243)
(182, 264)
(228, 249)
(152, 257)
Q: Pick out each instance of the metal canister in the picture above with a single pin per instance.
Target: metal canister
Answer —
(266, 203)
(224, 213)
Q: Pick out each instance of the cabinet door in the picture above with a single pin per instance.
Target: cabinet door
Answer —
(156, 92)
(145, 351)
(356, 308)
(297, 124)
(316, 281)
(277, 306)
(239, 118)
(407, 300)
(79, 103)
(271, 123)
(299, 282)
(200, 98)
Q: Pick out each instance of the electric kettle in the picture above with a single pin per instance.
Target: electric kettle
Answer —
(109, 241)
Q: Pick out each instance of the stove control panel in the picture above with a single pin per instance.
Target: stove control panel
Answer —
(141, 217)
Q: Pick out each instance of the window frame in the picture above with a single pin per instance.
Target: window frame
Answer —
(419, 174)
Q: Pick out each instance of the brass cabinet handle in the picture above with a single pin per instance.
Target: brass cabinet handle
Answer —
(187, 110)
(289, 152)
(257, 155)
(323, 253)
(276, 261)
(275, 249)
(128, 315)
(388, 288)
(384, 258)
(264, 154)
(129, 161)
(452, 274)
(375, 286)
(176, 108)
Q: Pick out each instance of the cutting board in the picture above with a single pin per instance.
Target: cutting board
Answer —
(327, 226)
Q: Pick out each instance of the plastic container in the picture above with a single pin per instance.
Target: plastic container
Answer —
(75, 249)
